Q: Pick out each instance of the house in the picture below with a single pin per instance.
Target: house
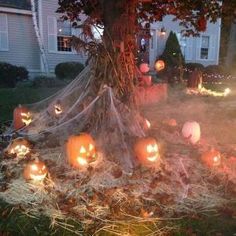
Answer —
(18, 41)
(19, 44)
(203, 49)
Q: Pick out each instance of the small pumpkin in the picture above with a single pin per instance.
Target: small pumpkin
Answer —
(191, 131)
(211, 158)
(81, 150)
(19, 147)
(144, 68)
(159, 65)
(21, 117)
(35, 170)
(147, 151)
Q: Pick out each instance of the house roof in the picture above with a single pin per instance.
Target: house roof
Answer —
(18, 4)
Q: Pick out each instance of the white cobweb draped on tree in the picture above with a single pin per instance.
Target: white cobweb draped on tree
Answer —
(113, 125)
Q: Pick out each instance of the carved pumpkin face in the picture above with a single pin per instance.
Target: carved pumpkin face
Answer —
(211, 158)
(57, 109)
(81, 150)
(191, 131)
(147, 151)
(21, 117)
(159, 65)
(19, 147)
(35, 170)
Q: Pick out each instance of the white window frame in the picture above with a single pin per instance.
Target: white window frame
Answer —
(4, 32)
(200, 48)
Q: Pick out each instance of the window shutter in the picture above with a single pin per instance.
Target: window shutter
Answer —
(52, 34)
(212, 48)
(189, 49)
(3, 33)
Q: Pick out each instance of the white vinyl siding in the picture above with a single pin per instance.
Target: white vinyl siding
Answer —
(212, 47)
(3, 33)
(52, 34)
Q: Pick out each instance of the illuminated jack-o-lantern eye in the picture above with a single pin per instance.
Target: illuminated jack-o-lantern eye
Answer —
(19, 147)
(159, 65)
(147, 151)
(211, 158)
(21, 117)
(58, 109)
(35, 170)
(81, 150)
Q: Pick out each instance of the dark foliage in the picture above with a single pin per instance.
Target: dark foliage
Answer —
(46, 82)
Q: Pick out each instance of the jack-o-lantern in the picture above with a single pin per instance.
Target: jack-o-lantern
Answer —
(19, 147)
(211, 158)
(21, 117)
(81, 150)
(147, 151)
(35, 170)
(159, 65)
(58, 109)
(144, 67)
(191, 131)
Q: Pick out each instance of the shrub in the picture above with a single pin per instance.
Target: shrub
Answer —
(214, 69)
(192, 66)
(46, 82)
(68, 70)
(10, 74)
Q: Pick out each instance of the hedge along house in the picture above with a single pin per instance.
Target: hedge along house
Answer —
(203, 49)
(18, 41)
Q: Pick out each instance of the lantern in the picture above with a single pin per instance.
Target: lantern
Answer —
(19, 147)
(35, 170)
(81, 150)
(144, 67)
(147, 151)
(211, 158)
(21, 117)
(191, 131)
(159, 65)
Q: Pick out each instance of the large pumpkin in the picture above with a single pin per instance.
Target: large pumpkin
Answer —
(21, 117)
(147, 151)
(211, 158)
(159, 65)
(191, 131)
(35, 170)
(81, 150)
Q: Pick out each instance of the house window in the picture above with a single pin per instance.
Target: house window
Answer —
(64, 33)
(182, 42)
(3, 32)
(204, 51)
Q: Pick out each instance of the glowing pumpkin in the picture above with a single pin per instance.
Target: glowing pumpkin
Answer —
(21, 117)
(58, 109)
(144, 67)
(191, 131)
(81, 150)
(19, 147)
(211, 158)
(147, 151)
(159, 65)
(35, 170)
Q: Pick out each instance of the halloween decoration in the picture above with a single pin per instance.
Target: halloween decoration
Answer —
(35, 170)
(147, 124)
(159, 65)
(58, 109)
(144, 68)
(211, 158)
(81, 150)
(21, 117)
(170, 122)
(147, 151)
(191, 131)
(19, 147)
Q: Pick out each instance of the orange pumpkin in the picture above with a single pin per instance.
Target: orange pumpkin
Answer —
(35, 170)
(159, 65)
(147, 151)
(81, 150)
(21, 117)
(211, 158)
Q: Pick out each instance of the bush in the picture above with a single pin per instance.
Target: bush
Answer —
(10, 74)
(214, 69)
(68, 70)
(46, 82)
(192, 66)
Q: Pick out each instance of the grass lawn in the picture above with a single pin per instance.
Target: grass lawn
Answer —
(13, 221)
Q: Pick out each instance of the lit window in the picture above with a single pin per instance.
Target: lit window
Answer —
(204, 53)
(64, 33)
